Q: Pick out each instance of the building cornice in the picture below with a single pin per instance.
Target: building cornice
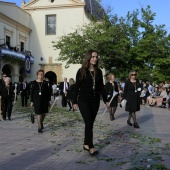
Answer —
(14, 5)
(29, 3)
(55, 6)
(14, 23)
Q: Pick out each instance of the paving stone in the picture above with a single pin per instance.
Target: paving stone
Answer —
(60, 146)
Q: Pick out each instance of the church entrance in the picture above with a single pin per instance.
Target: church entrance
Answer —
(51, 76)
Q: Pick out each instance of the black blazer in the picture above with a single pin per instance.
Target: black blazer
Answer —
(61, 87)
(109, 89)
(25, 91)
(4, 93)
(83, 91)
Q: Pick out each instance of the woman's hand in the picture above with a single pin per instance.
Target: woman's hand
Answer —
(75, 106)
(31, 105)
(107, 104)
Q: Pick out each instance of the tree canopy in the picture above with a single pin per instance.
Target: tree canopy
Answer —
(126, 43)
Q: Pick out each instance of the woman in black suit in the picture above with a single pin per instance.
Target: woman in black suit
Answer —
(110, 87)
(6, 93)
(88, 87)
(40, 98)
(131, 94)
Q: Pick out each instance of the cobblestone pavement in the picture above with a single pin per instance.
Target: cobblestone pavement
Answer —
(59, 147)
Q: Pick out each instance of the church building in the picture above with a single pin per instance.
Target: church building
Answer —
(27, 33)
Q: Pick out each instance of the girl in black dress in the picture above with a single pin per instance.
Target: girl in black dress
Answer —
(132, 92)
(110, 87)
(88, 87)
(40, 98)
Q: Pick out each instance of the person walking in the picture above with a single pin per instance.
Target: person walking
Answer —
(70, 93)
(24, 92)
(111, 87)
(88, 87)
(131, 94)
(64, 86)
(7, 96)
(54, 88)
(2, 80)
(40, 98)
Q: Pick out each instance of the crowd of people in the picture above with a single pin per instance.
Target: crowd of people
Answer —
(84, 94)
(153, 95)
(16, 49)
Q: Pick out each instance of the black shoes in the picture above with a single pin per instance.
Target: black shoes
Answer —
(70, 109)
(85, 149)
(94, 153)
(129, 123)
(136, 126)
(40, 131)
(112, 117)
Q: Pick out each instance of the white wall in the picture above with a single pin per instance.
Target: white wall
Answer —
(68, 19)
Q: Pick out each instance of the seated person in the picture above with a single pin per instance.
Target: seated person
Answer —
(143, 96)
(168, 103)
(151, 100)
(161, 100)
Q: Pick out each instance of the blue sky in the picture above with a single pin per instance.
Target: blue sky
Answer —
(121, 7)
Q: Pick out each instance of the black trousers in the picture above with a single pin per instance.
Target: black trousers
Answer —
(63, 100)
(6, 106)
(89, 111)
(24, 100)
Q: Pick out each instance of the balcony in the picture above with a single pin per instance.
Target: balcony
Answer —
(18, 55)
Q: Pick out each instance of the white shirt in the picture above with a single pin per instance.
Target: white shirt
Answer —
(65, 87)
(164, 94)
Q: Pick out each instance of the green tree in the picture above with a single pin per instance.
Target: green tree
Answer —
(124, 43)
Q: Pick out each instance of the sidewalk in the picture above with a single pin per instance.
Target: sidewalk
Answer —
(59, 147)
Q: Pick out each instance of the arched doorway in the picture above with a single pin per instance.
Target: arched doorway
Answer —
(21, 74)
(7, 69)
(51, 76)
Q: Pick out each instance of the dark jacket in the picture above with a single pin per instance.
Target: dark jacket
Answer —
(70, 92)
(40, 102)
(24, 90)
(109, 92)
(7, 94)
(61, 87)
(132, 96)
(84, 92)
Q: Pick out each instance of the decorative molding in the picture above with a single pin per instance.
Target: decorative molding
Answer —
(14, 23)
(29, 3)
(56, 6)
(7, 31)
(28, 6)
(50, 60)
(21, 37)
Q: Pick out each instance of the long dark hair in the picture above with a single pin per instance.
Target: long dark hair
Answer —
(86, 63)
